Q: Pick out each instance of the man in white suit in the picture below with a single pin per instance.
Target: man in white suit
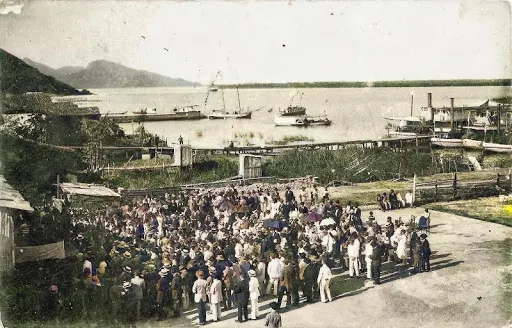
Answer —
(254, 293)
(324, 281)
(215, 295)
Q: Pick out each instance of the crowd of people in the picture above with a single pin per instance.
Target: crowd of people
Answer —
(222, 248)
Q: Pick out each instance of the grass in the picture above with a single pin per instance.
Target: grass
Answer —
(488, 209)
(216, 168)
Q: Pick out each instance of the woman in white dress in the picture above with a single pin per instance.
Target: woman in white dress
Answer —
(401, 248)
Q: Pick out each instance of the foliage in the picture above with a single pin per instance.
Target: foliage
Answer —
(504, 99)
(216, 168)
(32, 168)
(351, 164)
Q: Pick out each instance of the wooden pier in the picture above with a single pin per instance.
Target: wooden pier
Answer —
(399, 143)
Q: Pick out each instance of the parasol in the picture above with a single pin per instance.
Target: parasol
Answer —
(314, 217)
(327, 222)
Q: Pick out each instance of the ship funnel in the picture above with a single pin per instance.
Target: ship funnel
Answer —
(452, 113)
(429, 105)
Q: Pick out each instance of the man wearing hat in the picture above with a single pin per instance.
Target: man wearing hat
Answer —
(241, 292)
(215, 292)
(425, 253)
(199, 290)
(162, 289)
(128, 305)
(273, 319)
(176, 291)
(254, 293)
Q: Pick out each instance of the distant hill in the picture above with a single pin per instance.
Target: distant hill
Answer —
(376, 84)
(16, 77)
(105, 74)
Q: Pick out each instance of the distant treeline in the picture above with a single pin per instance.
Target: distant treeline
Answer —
(377, 84)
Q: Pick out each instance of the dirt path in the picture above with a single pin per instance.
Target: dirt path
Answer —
(470, 285)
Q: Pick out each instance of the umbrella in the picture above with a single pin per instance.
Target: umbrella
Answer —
(314, 217)
(276, 224)
(327, 222)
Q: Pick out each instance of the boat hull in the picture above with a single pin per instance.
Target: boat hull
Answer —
(497, 148)
(300, 121)
(221, 116)
(190, 115)
(446, 143)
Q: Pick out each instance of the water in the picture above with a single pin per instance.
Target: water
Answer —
(356, 113)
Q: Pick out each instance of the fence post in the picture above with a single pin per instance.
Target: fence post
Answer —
(498, 180)
(413, 189)
(454, 195)
(510, 179)
(435, 195)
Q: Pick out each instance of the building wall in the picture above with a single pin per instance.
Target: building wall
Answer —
(250, 166)
(6, 239)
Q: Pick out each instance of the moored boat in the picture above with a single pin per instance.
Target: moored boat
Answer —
(222, 114)
(293, 111)
(301, 120)
(497, 148)
(178, 113)
(445, 141)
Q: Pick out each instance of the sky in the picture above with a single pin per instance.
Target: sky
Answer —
(268, 41)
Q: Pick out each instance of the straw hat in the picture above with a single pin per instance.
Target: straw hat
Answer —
(127, 269)
(252, 273)
(127, 285)
(127, 255)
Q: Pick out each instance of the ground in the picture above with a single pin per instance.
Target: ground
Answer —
(470, 285)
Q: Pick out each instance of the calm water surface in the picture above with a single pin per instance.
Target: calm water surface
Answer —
(357, 113)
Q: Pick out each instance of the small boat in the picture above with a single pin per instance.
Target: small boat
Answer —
(115, 113)
(223, 114)
(213, 89)
(446, 141)
(409, 126)
(497, 148)
(293, 111)
(301, 120)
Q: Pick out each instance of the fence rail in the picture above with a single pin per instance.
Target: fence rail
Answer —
(451, 189)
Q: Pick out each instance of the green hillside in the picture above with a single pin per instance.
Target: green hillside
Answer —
(16, 77)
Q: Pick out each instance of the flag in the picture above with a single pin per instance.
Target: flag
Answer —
(41, 252)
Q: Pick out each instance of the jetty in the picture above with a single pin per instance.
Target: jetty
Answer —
(398, 143)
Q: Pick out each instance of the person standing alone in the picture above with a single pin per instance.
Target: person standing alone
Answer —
(254, 293)
(199, 290)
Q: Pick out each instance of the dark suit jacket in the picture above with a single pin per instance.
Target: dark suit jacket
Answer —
(241, 291)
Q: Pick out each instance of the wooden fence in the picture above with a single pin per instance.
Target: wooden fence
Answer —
(454, 188)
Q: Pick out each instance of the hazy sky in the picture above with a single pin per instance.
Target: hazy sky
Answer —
(268, 41)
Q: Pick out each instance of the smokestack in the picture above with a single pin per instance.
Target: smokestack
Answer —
(429, 105)
(452, 113)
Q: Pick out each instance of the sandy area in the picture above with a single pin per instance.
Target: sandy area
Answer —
(469, 286)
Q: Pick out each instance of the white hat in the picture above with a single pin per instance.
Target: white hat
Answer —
(127, 285)
(252, 273)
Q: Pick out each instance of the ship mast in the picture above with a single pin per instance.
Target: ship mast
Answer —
(238, 95)
(223, 101)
